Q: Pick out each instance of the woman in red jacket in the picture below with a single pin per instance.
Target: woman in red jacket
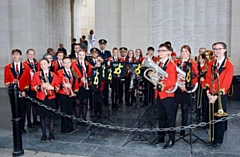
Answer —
(67, 93)
(128, 86)
(83, 71)
(46, 85)
(182, 96)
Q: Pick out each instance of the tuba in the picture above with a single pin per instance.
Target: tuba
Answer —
(181, 79)
(156, 73)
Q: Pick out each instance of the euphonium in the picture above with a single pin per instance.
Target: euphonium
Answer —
(157, 74)
(181, 79)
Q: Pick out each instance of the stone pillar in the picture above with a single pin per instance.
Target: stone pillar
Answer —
(235, 36)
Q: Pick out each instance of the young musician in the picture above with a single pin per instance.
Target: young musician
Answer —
(105, 54)
(123, 52)
(98, 89)
(223, 66)
(129, 59)
(139, 55)
(174, 54)
(49, 57)
(148, 87)
(165, 101)
(68, 87)
(181, 96)
(17, 72)
(46, 85)
(58, 64)
(115, 82)
(203, 99)
(34, 66)
(83, 70)
(95, 53)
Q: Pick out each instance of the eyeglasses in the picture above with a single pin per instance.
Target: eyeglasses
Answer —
(162, 50)
(217, 49)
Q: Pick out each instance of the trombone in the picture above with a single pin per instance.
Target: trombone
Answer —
(220, 112)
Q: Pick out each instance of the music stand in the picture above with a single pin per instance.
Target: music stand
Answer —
(190, 134)
(139, 134)
(103, 116)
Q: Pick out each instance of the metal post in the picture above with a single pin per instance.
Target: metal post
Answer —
(17, 136)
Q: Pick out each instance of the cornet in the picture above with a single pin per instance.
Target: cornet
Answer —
(69, 91)
(45, 80)
(85, 83)
(156, 73)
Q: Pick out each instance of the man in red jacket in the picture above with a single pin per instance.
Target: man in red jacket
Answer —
(17, 72)
(165, 101)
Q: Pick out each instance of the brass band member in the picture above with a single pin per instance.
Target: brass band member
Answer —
(148, 87)
(115, 82)
(83, 70)
(46, 85)
(67, 93)
(49, 57)
(129, 59)
(34, 66)
(123, 55)
(105, 54)
(165, 101)
(58, 64)
(17, 72)
(138, 55)
(203, 99)
(224, 67)
(181, 96)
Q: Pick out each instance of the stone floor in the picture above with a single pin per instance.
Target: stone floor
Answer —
(108, 143)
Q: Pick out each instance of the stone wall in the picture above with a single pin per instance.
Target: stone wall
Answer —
(36, 24)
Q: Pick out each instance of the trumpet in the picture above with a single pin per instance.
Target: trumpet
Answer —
(69, 91)
(155, 74)
(181, 79)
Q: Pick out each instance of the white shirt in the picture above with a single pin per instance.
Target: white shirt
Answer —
(163, 61)
(76, 54)
(15, 65)
(83, 64)
(69, 71)
(220, 62)
(46, 72)
(60, 63)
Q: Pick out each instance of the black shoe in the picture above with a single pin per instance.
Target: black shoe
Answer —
(210, 143)
(36, 123)
(169, 144)
(71, 132)
(144, 105)
(43, 138)
(182, 133)
(158, 140)
(30, 126)
(23, 131)
(51, 137)
(216, 145)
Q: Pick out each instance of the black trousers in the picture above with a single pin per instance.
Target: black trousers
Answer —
(127, 94)
(66, 106)
(115, 91)
(219, 128)
(105, 93)
(148, 91)
(166, 117)
(21, 110)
